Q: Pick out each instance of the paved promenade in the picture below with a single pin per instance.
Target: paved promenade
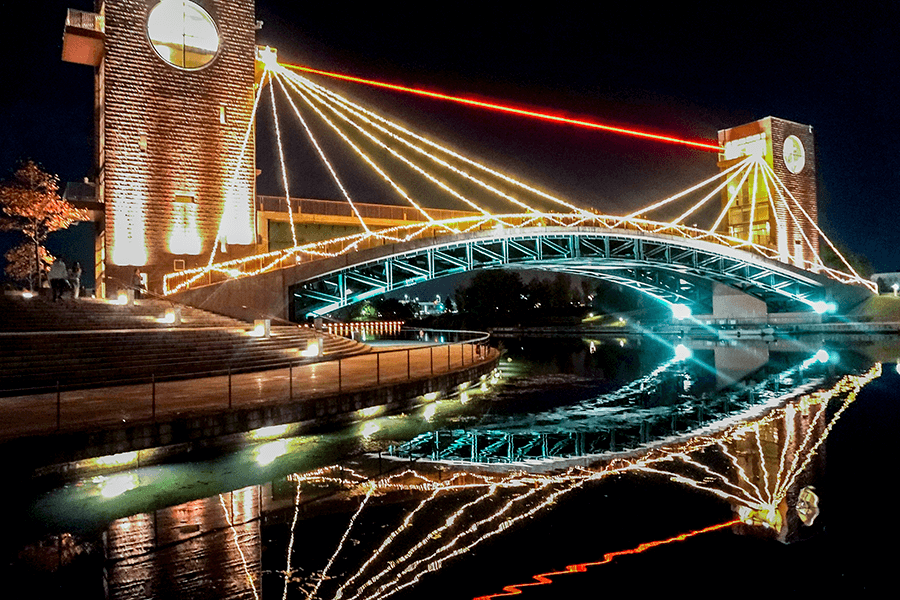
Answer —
(104, 408)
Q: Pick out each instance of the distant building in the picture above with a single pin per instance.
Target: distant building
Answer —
(428, 308)
(886, 282)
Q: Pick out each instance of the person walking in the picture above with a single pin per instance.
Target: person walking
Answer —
(75, 279)
(58, 277)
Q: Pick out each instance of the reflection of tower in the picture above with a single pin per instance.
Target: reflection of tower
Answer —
(174, 96)
(788, 149)
(209, 547)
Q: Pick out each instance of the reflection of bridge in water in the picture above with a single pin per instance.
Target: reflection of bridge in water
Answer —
(675, 400)
(763, 468)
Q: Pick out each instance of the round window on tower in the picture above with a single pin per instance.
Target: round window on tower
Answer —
(183, 34)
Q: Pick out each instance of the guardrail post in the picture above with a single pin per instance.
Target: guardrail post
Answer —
(229, 387)
(290, 381)
(448, 358)
(431, 357)
(58, 405)
(153, 396)
(378, 367)
(339, 374)
(408, 372)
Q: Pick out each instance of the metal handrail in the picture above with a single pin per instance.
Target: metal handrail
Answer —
(482, 339)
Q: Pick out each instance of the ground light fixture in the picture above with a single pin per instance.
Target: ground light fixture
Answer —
(821, 307)
(312, 349)
(681, 311)
(267, 453)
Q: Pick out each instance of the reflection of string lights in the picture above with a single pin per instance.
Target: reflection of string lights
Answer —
(504, 500)
(240, 549)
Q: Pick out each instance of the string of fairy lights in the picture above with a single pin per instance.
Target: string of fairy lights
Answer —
(464, 510)
(455, 176)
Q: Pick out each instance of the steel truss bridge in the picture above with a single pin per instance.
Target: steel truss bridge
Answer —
(672, 266)
(673, 263)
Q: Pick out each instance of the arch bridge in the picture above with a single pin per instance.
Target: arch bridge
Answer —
(675, 264)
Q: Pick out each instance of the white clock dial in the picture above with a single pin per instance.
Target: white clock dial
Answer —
(183, 34)
(794, 154)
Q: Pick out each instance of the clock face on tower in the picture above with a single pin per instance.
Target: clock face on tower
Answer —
(183, 34)
(794, 154)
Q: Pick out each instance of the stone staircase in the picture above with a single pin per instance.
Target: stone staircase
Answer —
(93, 343)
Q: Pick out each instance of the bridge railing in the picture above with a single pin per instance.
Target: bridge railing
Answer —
(428, 230)
(308, 206)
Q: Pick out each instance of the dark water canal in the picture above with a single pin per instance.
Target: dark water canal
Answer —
(772, 460)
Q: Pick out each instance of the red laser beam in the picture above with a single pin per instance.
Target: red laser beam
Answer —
(544, 578)
(510, 109)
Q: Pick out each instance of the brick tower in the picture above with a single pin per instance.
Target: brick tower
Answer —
(789, 150)
(174, 97)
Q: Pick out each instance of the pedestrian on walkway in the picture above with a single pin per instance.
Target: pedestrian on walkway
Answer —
(75, 279)
(137, 282)
(58, 278)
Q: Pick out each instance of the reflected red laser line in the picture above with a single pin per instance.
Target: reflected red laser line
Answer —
(544, 578)
(512, 110)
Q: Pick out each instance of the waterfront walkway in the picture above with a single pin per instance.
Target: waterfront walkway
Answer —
(102, 379)
(101, 408)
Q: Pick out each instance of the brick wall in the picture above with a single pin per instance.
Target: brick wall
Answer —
(161, 137)
(802, 186)
(789, 237)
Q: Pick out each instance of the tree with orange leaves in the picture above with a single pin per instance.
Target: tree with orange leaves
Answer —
(30, 203)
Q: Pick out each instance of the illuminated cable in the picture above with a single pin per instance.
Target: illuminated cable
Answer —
(360, 109)
(683, 193)
(762, 461)
(732, 197)
(358, 151)
(796, 222)
(438, 561)
(816, 226)
(244, 143)
(509, 109)
(704, 200)
(459, 172)
(756, 170)
(284, 179)
(403, 526)
(334, 175)
(398, 156)
(448, 522)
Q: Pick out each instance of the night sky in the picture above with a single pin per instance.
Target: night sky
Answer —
(685, 71)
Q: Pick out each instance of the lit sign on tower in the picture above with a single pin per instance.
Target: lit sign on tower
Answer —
(175, 84)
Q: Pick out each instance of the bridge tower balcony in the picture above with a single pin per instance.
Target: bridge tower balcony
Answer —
(84, 38)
